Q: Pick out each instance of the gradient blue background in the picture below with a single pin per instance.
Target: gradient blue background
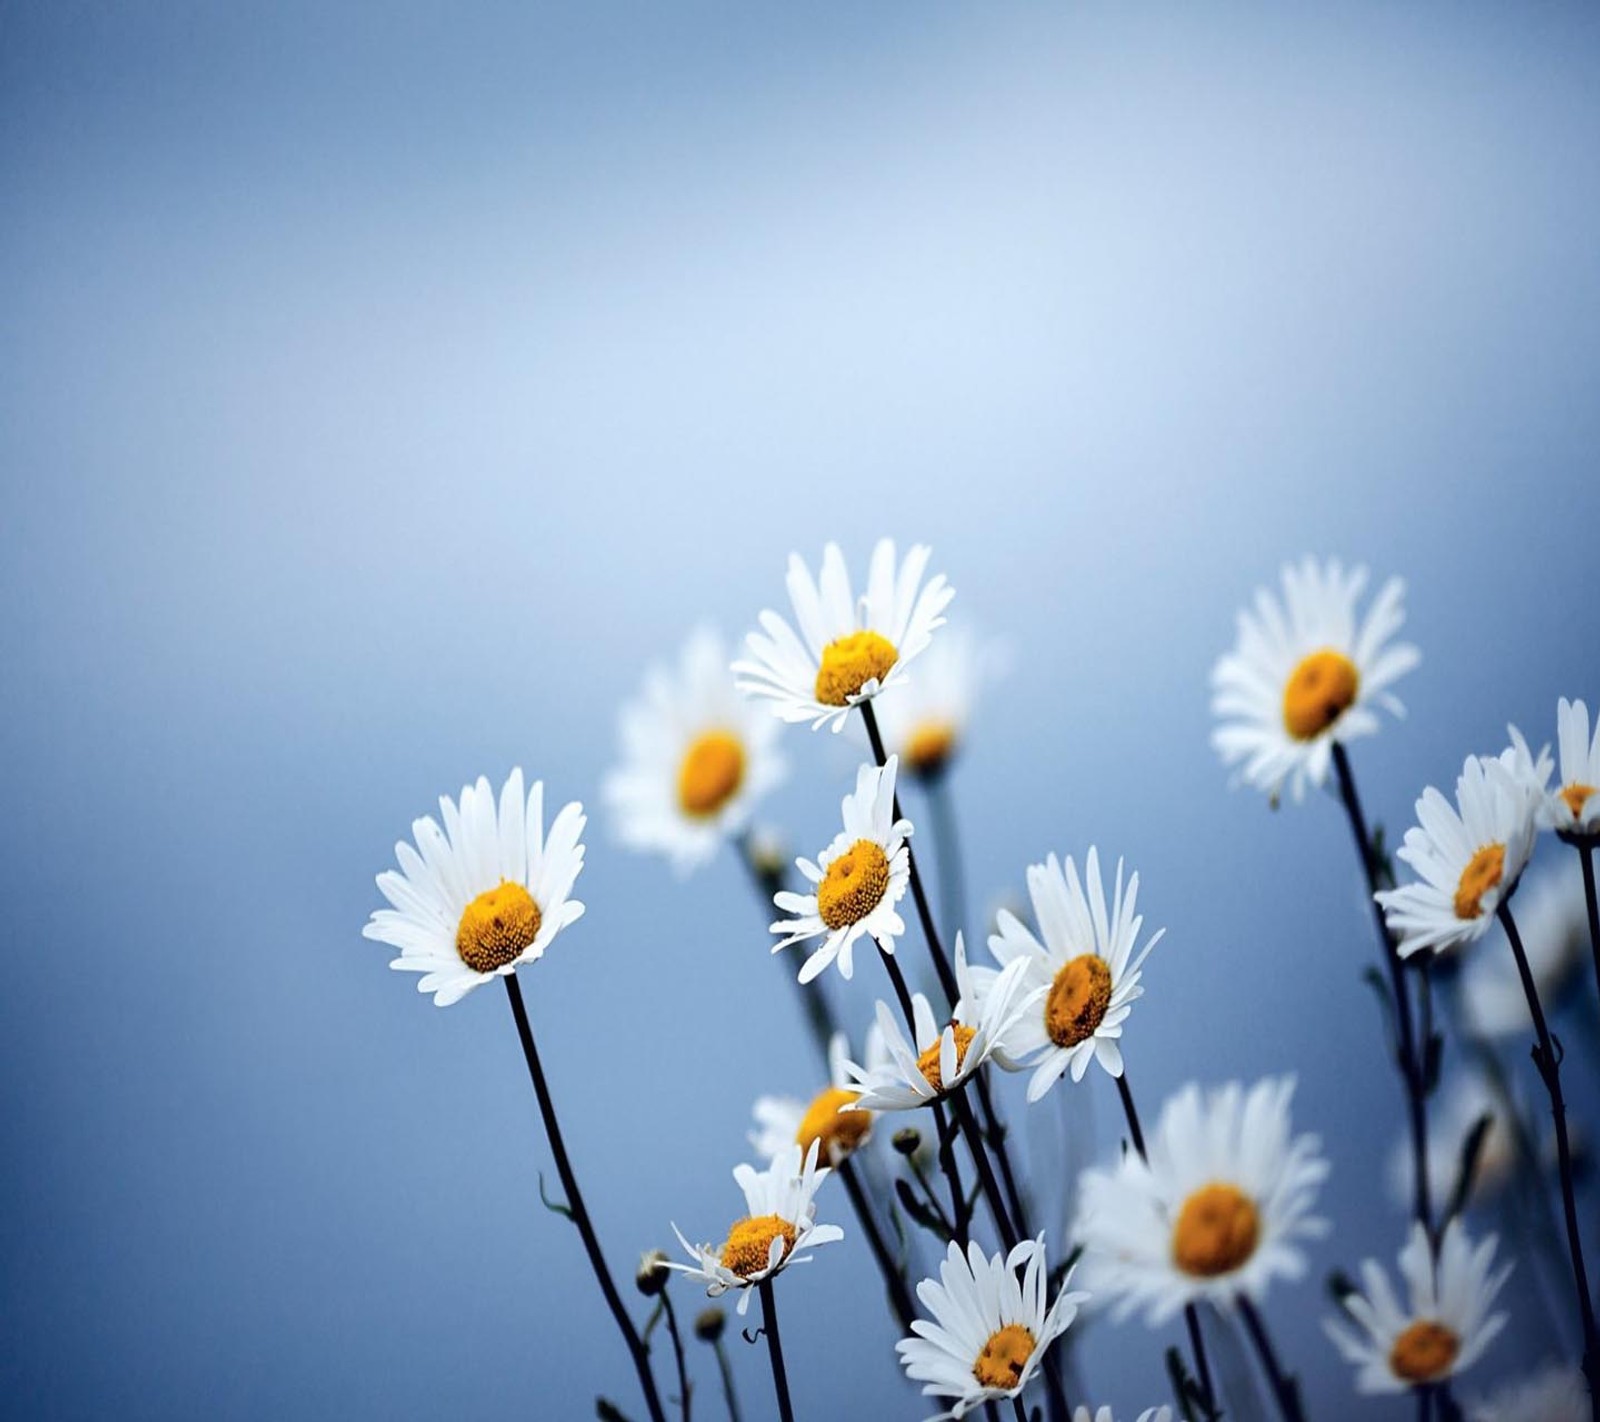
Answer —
(381, 387)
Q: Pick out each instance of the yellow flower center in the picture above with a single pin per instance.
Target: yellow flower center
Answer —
(929, 747)
(1423, 1352)
(1575, 795)
(1483, 872)
(840, 1132)
(750, 1241)
(1078, 1000)
(928, 1062)
(1003, 1358)
(712, 770)
(1320, 690)
(1217, 1231)
(850, 663)
(497, 927)
(853, 885)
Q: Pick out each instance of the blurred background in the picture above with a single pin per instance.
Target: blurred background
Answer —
(383, 387)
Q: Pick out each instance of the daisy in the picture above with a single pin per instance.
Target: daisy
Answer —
(781, 1222)
(697, 757)
(1303, 674)
(1469, 857)
(847, 651)
(1555, 1393)
(784, 1121)
(858, 879)
(1464, 1102)
(990, 1329)
(485, 893)
(1215, 1212)
(1085, 970)
(925, 719)
(1444, 1329)
(1574, 806)
(1150, 1414)
(1554, 927)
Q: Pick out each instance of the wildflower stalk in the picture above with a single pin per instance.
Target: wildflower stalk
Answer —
(684, 1387)
(769, 1326)
(1585, 847)
(893, 1278)
(1283, 1386)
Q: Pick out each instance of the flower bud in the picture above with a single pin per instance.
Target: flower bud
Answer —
(709, 1323)
(907, 1140)
(653, 1273)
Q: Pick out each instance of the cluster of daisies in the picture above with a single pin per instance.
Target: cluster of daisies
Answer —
(1196, 1219)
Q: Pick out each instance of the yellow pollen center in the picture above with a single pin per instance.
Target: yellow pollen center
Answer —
(1217, 1231)
(1575, 795)
(1483, 872)
(1424, 1352)
(850, 663)
(928, 1062)
(840, 1132)
(711, 773)
(1078, 1000)
(1003, 1358)
(929, 747)
(750, 1241)
(853, 885)
(1320, 690)
(497, 927)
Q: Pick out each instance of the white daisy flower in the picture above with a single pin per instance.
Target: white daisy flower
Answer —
(1574, 806)
(1469, 858)
(1085, 970)
(924, 720)
(990, 1329)
(784, 1121)
(697, 757)
(858, 879)
(1453, 1114)
(1216, 1212)
(1444, 1329)
(780, 1223)
(485, 893)
(1303, 674)
(1150, 1414)
(942, 1059)
(847, 651)
(1556, 1393)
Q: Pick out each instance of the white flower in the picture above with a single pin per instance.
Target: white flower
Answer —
(1303, 675)
(1468, 859)
(1085, 970)
(1452, 1115)
(697, 757)
(1444, 1329)
(924, 719)
(859, 879)
(1150, 1414)
(1574, 806)
(1556, 1393)
(1216, 1212)
(780, 1223)
(487, 892)
(784, 1121)
(990, 1329)
(847, 651)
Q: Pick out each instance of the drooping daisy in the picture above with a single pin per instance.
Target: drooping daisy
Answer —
(1554, 927)
(1556, 1393)
(697, 757)
(780, 1224)
(846, 651)
(858, 879)
(1303, 674)
(1573, 807)
(485, 893)
(924, 719)
(1469, 857)
(1085, 969)
(783, 1121)
(1216, 1212)
(1444, 1329)
(1452, 1116)
(1150, 1414)
(943, 1058)
(990, 1329)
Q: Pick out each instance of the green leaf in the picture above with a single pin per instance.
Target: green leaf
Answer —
(1467, 1166)
(550, 1204)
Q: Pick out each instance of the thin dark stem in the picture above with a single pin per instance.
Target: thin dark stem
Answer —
(932, 1199)
(1585, 849)
(579, 1212)
(902, 993)
(729, 1394)
(780, 1378)
(986, 1176)
(1019, 1409)
(677, 1353)
(1424, 1404)
(1283, 1388)
(960, 1215)
(994, 1132)
(813, 996)
(1135, 1131)
(899, 1294)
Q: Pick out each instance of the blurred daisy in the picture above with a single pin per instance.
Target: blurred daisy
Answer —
(1446, 1326)
(847, 651)
(1469, 858)
(1554, 926)
(780, 1224)
(1216, 1212)
(1574, 806)
(1556, 1393)
(858, 879)
(990, 1329)
(784, 1121)
(924, 719)
(1453, 1114)
(1150, 1414)
(1303, 674)
(485, 893)
(1085, 970)
(697, 757)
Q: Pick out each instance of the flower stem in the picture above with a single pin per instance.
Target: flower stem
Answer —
(813, 996)
(1020, 1410)
(1283, 1386)
(579, 1212)
(1585, 848)
(729, 1393)
(677, 1352)
(780, 1378)
(986, 1178)
(899, 1294)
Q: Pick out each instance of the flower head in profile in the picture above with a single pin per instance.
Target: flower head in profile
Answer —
(1573, 807)
(1440, 1331)
(847, 651)
(1305, 673)
(1452, 1115)
(697, 757)
(857, 880)
(784, 1121)
(1554, 927)
(1218, 1210)
(924, 719)
(488, 891)
(1555, 1393)
(779, 1224)
(1086, 969)
(1468, 857)
(989, 1329)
